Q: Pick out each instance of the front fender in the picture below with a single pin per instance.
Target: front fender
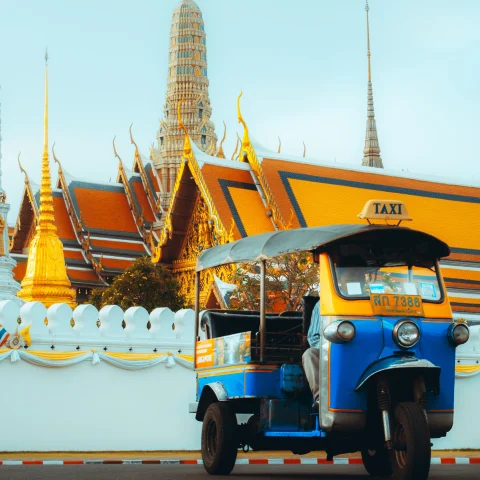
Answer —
(213, 392)
(431, 371)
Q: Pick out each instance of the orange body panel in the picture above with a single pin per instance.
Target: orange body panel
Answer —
(332, 304)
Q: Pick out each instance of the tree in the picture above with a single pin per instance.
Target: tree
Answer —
(142, 284)
(288, 278)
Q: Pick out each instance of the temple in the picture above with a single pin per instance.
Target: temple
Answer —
(46, 278)
(187, 81)
(216, 201)
(8, 286)
(104, 226)
(189, 195)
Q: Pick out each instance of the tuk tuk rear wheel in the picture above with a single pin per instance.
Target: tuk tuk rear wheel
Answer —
(411, 455)
(219, 439)
(377, 461)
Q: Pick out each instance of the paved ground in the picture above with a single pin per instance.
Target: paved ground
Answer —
(186, 472)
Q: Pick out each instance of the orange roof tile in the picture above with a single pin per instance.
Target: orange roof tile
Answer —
(62, 219)
(83, 276)
(104, 209)
(236, 197)
(152, 177)
(115, 264)
(142, 199)
(321, 195)
(109, 245)
(73, 254)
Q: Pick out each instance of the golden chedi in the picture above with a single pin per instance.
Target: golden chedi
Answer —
(46, 278)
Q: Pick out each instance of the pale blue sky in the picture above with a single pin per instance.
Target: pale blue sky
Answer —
(301, 65)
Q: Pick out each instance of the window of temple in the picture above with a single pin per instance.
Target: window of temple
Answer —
(200, 113)
(204, 140)
(204, 72)
(161, 141)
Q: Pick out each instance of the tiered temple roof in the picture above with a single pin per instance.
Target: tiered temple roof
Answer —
(217, 200)
(103, 226)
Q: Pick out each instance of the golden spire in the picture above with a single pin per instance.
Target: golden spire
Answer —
(367, 8)
(279, 145)
(46, 278)
(220, 152)
(371, 152)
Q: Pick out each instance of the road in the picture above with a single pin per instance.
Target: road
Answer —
(186, 472)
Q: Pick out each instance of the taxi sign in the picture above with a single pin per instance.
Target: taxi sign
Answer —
(385, 210)
(388, 304)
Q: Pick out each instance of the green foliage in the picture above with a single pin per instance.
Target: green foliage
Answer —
(288, 279)
(143, 284)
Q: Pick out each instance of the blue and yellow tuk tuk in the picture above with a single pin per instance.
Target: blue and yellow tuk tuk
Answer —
(386, 350)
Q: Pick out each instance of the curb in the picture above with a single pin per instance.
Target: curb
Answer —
(240, 461)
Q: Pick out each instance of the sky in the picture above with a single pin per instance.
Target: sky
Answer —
(301, 64)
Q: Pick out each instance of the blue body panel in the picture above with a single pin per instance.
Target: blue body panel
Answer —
(373, 342)
(372, 347)
(244, 381)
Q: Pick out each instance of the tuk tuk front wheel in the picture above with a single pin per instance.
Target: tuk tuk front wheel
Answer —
(219, 439)
(411, 455)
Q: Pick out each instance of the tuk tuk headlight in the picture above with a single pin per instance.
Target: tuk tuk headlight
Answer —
(340, 331)
(406, 334)
(458, 334)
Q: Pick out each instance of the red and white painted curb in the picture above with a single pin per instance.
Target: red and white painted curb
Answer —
(240, 461)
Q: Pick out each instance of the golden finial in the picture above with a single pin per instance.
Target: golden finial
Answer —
(132, 141)
(367, 8)
(279, 145)
(20, 165)
(240, 118)
(246, 139)
(54, 156)
(220, 152)
(115, 149)
(304, 150)
(236, 147)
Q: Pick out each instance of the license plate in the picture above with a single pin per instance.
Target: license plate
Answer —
(395, 305)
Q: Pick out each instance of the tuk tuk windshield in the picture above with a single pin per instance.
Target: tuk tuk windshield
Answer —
(357, 282)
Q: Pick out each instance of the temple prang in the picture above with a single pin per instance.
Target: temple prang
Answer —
(187, 82)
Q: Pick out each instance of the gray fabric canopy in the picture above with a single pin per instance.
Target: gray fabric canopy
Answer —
(273, 244)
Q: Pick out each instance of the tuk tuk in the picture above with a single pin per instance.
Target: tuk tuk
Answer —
(386, 360)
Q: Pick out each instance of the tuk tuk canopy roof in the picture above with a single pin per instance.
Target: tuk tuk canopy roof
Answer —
(273, 244)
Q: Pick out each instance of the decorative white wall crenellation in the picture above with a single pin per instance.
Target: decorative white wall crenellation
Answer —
(58, 328)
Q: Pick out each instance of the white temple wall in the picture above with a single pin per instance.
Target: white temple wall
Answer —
(115, 389)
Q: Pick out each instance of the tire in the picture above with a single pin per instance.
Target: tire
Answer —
(219, 439)
(377, 461)
(411, 431)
